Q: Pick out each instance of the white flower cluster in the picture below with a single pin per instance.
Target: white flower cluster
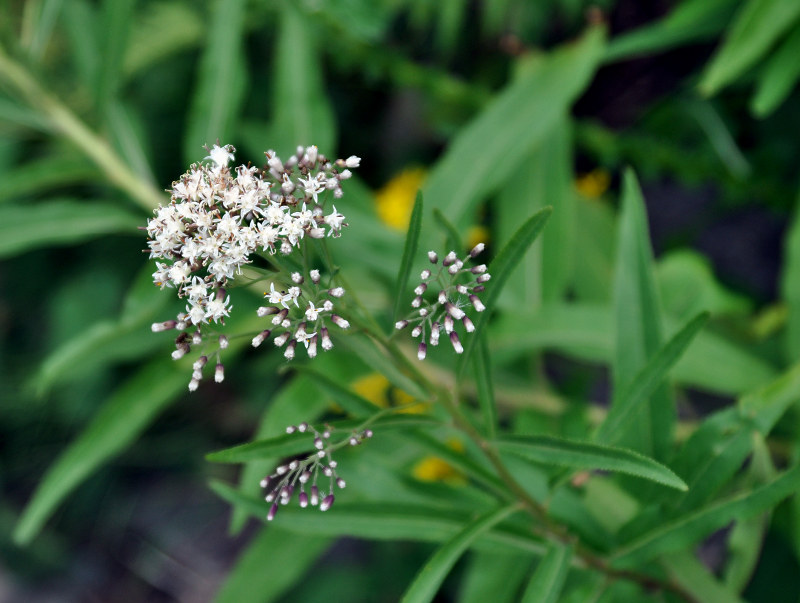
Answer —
(218, 217)
(307, 326)
(307, 472)
(453, 295)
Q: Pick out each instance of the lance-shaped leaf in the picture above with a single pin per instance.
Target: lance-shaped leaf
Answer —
(546, 584)
(620, 418)
(221, 81)
(638, 326)
(500, 269)
(779, 76)
(482, 365)
(756, 27)
(433, 573)
(586, 455)
(409, 255)
(687, 530)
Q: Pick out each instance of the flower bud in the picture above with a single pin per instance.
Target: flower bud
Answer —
(326, 503)
(432, 257)
(219, 373)
(158, 327)
(477, 250)
(272, 511)
(422, 350)
(456, 343)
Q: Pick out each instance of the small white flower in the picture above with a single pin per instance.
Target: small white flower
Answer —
(221, 155)
(312, 186)
(335, 220)
(352, 161)
(312, 313)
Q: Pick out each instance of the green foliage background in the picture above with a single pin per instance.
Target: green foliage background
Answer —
(644, 405)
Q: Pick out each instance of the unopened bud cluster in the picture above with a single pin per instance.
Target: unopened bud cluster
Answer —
(218, 217)
(311, 472)
(441, 298)
(305, 322)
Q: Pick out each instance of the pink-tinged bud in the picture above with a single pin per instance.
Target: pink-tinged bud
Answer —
(312, 347)
(416, 302)
(303, 427)
(450, 258)
(297, 278)
(264, 482)
(326, 503)
(267, 310)
(425, 274)
(442, 299)
(327, 344)
(303, 500)
(223, 342)
(423, 311)
(420, 288)
(291, 429)
(270, 497)
(280, 470)
(318, 443)
(483, 278)
(478, 289)
(197, 338)
(281, 339)
(435, 333)
(339, 321)
(432, 257)
(354, 441)
(272, 511)
(368, 433)
(340, 483)
(327, 471)
(314, 496)
(416, 331)
(448, 323)
(181, 351)
(422, 350)
(194, 384)
(477, 250)
(304, 477)
(476, 303)
(401, 324)
(456, 343)
(468, 325)
(289, 353)
(336, 292)
(158, 327)
(333, 464)
(462, 289)
(259, 339)
(455, 312)
(478, 269)
(200, 363)
(454, 268)
(219, 373)
(314, 274)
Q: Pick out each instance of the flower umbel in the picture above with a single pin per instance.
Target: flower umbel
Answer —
(314, 468)
(456, 288)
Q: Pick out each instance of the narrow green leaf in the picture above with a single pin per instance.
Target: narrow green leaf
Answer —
(757, 26)
(350, 401)
(221, 80)
(482, 367)
(51, 172)
(790, 285)
(620, 417)
(430, 577)
(688, 22)
(409, 255)
(483, 154)
(500, 269)
(257, 578)
(118, 423)
(128, 136)
(685, 531)
(302, 114)
(546, 584)
(115, 23)
(778, 77)
(290, 444)
(374, 358)
(383, 521)
(60, 222)
(767, 405)
(39, 19)
(586, 455)
(685, 569)
(493, 577)
(638, 326)
(585, 331)
(452, 238)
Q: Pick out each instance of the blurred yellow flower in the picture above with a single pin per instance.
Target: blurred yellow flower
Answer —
(377, 389)
(593, 184)
(477, 234)
(434, 469)
(395, 200)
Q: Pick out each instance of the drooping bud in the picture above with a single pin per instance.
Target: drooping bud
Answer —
(326, 503)
(158, 327)
(272, 511)
(456, 343)
(219, 373)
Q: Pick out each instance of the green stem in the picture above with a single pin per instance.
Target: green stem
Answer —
(68, 125)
